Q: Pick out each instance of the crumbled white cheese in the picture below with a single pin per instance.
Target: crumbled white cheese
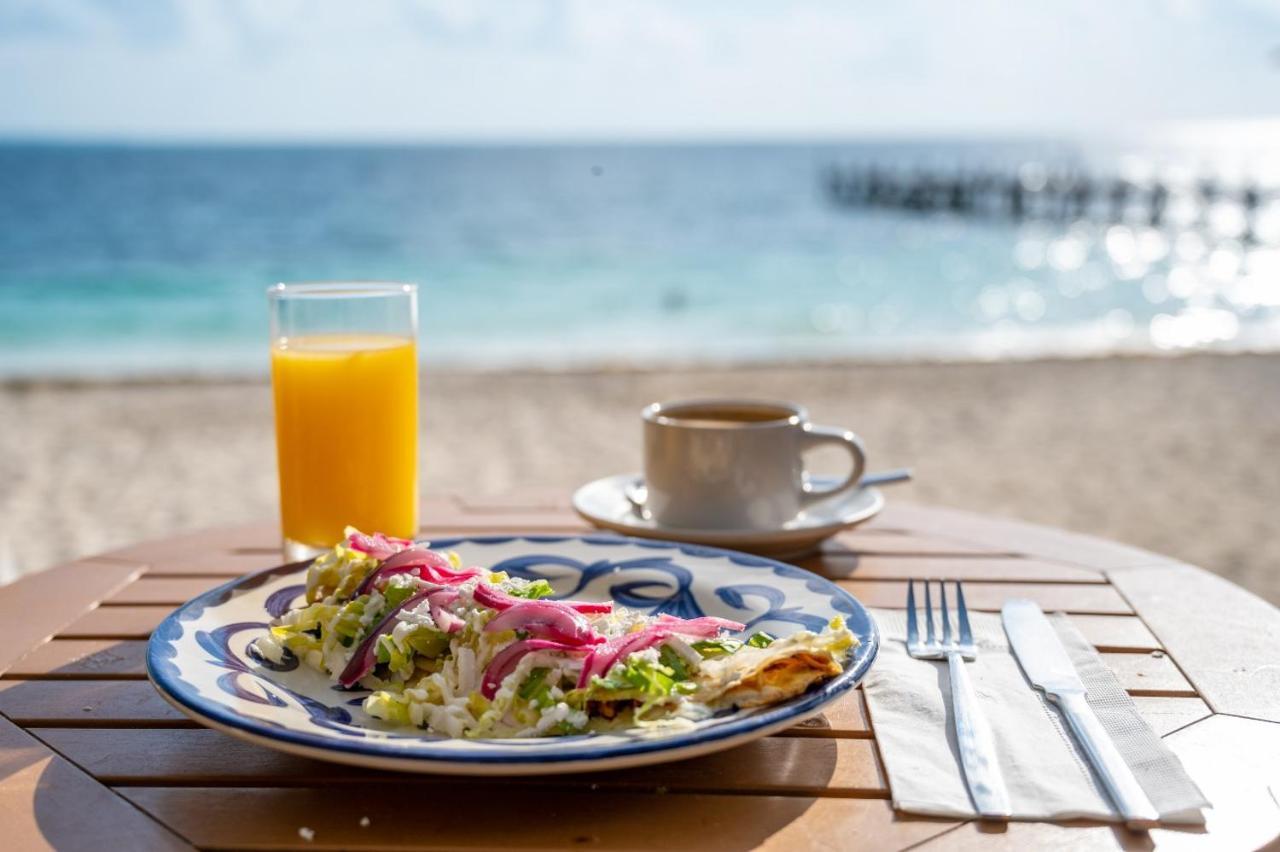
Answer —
(464, 663)
(401, 632)
(372, 610)
(269, 648)
(650, 655)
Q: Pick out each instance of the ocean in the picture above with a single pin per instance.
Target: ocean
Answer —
(126, 260)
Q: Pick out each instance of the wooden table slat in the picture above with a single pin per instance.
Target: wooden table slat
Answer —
(888, 542)
(196, 757)
(116, 622)
(989, 597)
(83, 658)
(214, 564)
(48, 803)
(1115, 632)
(169, 591)
(968, 568)
(59, 595)
(254, 539)
(1226, 640)
(1148, 674)
(1008, 535)
(534, 819)
(1167, 714)
(84, 703)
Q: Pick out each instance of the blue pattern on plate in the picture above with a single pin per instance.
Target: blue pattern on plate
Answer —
(226, 680)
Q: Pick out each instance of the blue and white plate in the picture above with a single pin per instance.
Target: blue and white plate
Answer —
(199, 657)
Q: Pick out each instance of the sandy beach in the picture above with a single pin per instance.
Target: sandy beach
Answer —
(1174, 454)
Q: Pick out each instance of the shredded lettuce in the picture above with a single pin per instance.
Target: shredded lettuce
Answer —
(297, 642)
(477, 704)
(536, 590)
(388, 706)
(398, 593)
(303, 633)
(347, 626)
(337, 573)
(428, 642)
(760, 640)
(390, 654)
(420, 647)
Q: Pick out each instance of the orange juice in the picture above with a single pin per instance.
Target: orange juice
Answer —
(346, 435)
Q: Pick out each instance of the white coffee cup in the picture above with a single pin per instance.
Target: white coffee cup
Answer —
(730, 464)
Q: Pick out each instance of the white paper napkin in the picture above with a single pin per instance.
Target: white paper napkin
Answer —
(1044, 770)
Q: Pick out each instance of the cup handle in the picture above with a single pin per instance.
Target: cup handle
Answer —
(816, 436)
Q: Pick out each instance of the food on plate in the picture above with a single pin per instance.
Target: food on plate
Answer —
(468, 652)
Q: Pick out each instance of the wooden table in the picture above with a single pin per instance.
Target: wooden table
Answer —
(91, 757)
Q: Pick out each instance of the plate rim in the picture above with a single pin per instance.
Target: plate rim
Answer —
(164, 676)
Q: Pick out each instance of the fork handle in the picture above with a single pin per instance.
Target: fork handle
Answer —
(977, 746)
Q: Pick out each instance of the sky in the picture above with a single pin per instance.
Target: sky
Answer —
(621, 69)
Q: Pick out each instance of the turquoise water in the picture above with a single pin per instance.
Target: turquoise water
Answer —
(128, 260)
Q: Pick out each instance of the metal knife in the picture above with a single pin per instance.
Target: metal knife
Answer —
(1045, 662)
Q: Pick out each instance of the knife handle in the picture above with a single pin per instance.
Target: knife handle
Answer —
(1122, 786)
(977, 746)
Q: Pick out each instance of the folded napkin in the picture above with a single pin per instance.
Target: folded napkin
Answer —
(1047, 775)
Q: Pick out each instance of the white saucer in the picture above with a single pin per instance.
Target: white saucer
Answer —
(604, 503)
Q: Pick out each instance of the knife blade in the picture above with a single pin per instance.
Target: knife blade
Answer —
(1040, 654)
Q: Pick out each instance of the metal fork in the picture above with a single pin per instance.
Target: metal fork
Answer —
(973, 734)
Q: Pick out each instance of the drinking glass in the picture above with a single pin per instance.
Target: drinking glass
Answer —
(344, 370)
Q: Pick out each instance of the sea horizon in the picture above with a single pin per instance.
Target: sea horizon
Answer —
(121, 259)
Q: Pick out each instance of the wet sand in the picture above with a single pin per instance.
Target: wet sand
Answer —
(1176, 455)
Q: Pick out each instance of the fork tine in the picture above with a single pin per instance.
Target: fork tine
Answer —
(913, 631)
(928, 614)
(946, 620)
(962, 616)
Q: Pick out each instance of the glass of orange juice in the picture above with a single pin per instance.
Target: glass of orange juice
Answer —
(344, 370)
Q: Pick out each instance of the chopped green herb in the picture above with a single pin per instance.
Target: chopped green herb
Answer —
(533, 682)
(716, 647)
(675, 662)
(641, 680)
(535, 688)
(760, 640)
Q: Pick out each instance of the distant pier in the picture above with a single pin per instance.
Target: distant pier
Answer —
(1034, 193)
